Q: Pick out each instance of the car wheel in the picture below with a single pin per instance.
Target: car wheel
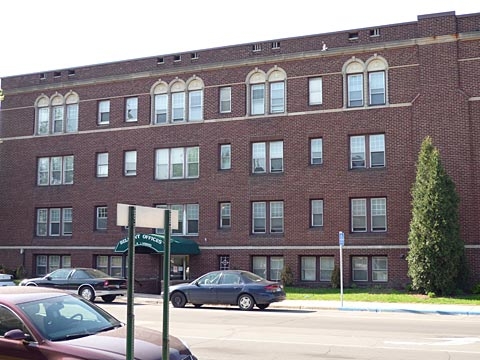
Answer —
(178, 299)
(109, 298)
(245, 302)
(262, 306)
(87, 293)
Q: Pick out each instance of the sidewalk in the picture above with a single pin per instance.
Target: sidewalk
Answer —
(347, 306)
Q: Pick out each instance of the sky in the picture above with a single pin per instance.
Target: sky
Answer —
(45, 35)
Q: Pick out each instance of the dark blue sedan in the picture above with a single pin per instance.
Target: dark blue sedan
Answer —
(228, 287)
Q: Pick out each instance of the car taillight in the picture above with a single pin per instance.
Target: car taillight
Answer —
(273, 288)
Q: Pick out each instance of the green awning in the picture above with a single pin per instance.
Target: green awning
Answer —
(150, 243)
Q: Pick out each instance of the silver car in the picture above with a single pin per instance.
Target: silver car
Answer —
(6, 280)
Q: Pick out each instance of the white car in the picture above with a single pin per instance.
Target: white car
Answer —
(6, 280)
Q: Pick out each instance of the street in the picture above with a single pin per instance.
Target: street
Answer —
(225, 332)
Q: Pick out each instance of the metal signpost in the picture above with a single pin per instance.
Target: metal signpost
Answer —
(341, 242)
(130, 215)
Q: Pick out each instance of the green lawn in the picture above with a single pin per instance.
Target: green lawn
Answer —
(379, 295)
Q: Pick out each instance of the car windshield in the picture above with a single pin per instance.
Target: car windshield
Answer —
(93, 273)
(66, 317)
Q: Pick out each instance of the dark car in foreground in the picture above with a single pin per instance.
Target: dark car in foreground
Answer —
(86, 282)
(39, 323)
(228, 287)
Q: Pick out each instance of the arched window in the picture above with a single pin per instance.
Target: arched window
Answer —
(267, 91)
(57, 114)
(365, 83)
(170, 102)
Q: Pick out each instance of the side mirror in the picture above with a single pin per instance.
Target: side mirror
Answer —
(15, 334)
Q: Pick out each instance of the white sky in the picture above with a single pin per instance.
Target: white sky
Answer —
(45, 35)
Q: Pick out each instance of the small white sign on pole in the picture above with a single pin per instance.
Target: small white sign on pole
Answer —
(341, 243)
(145, 216)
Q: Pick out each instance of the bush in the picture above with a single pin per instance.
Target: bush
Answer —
(287, 276)
(335, 279)
(476, 289)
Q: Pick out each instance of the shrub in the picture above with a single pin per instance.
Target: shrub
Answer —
(335, 279)
(287, 276)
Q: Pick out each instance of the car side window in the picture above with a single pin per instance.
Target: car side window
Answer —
(80, 274)
(209, 279)
(9, 321)
(60, 274)
(230, 279)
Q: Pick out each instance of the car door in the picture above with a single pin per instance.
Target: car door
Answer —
(57, 279)
(229, 288)
(204, 290)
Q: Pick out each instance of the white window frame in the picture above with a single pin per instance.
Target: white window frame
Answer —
(259, 217)
(101, 218)
(316, 206)
(195, 105)
(355, 90)
(276, 217)
(376, 88)
(379, 268)
(178, 106)
(177, 163)
(315, 92)
(103, 112)
(277, 97)
(359, 159)
(225, 156)
(378, 214)
(308, 268)
(316, 151)
(54, 222)
(130, 163)
(359, 215)
(274, 157)
(55, 170)
(131, 109)
(369, 214)
(360, 268)
(225, 215)
(161, 109)
(225, 100)
(277, 264)
(257, 97)
(327, 265)
(102, 164)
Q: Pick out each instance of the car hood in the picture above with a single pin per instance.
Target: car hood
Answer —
(147, 345)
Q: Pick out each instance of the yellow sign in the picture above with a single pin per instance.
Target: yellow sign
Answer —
(1, 95)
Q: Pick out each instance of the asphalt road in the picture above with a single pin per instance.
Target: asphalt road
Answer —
(215, 333)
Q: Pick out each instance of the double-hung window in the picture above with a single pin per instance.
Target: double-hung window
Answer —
(274, 155)
(101, 217)
(177, 163)
(130, 163)
(54, 222)
(56, 170)
(355, 90)
(195, 103)
(225, 156)
(225, 215)
(316, 151)
(57, 115)
(103, 112)
(277, 97)
(102, 164)
(161, 107)
(225, 99)
(315, 91)
(374, 157)
(178, 106)
(257, 99)
(273, 211)
(376, 88)
(317, 212)
(131, 111)
(188, 218)
(369, 214)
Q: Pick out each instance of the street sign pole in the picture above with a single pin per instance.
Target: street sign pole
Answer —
(341, 242)
(130, 283)
(166, 281)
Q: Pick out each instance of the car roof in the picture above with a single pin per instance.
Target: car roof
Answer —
(19, 294)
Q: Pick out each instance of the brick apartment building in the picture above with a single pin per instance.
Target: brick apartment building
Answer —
(267, 150)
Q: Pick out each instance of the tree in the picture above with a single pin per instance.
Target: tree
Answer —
(436, 260)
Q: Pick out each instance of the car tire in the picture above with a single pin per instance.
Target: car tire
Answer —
(178, 300)
(87, 293)
(262, 306)
(109, 298)
(245, 302)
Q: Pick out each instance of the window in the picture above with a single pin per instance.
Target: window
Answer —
(359, 268)
(277, 97)
(102, 165)
(57, 170)
(316, 151)
(104, 112)
(275, 217)
(131, 110)
(374, 72)
(258, 99)
(309, 268)
(195, 103)
(225, 99)
(177, 163)
(317, 213)
(225, 215)
(224, 262)
(225, 157)
(376, 151)
(47, 263)
(268, 267)
(58, 114)
(260, 156)
(110, 264)
(188, 218)
(102, 212)
(315, 91)
(377, 208)
(130, 163)
(54, 222)
(178, 106)
(355, 90)
(161, 106)
(379, 268)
